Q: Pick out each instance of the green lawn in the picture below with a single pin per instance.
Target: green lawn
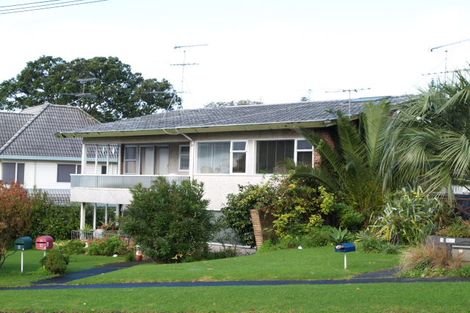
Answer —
(10, 274)
(411, 297)
(315, 263)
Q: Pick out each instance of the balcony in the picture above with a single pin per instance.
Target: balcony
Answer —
(112, 189)
(119, 181)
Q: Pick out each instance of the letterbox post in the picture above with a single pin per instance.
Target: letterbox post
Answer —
(345, 248)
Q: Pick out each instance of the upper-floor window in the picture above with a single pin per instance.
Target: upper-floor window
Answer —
(65, 170)
(238, 156)
(213, 157)
(272, 155)
(184, 158)
(130, 160)
(13, 172)
(304, 152)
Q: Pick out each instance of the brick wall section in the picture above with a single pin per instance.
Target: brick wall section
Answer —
(326, 135)
(257, 227)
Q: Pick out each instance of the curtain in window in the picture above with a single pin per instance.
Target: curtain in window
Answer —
(213, 157)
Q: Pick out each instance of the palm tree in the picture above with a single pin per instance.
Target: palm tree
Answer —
(352, 167)
(429, 140)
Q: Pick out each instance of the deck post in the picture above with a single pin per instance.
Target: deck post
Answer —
(82, 216)
(94, 216)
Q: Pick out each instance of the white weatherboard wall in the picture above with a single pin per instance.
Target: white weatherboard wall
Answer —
(43, 174)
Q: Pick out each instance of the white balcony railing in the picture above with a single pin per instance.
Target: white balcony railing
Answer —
(119, 181)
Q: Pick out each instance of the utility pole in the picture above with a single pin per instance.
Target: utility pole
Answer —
(184, 63)
(349, 95)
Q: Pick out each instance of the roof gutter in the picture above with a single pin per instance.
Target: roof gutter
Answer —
(198, 129)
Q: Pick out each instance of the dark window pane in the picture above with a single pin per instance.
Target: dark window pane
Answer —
(184, 158)
(304, 145)
(239, 162)
(79, 169)
(64, 171)
(20, 173)
(8, 172)
(130, 153)
(304, 158)
(273, 155)
(238, 146)
(103, 169)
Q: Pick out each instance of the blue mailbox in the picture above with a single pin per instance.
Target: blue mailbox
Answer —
(345, 247)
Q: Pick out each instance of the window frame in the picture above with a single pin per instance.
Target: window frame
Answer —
(16, 172)
(232, 151)
(137, 162)
(231, 141)
(179, 157)
(297, 150)
(77, 166)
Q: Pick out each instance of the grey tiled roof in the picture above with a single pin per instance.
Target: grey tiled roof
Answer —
(10, 124)
(237, 116)
(36, 138)
(57, 196)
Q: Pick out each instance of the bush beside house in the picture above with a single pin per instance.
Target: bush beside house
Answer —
(169, 221)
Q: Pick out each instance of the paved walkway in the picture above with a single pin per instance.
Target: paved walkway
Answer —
(384, 276)
(239, 283)
(86, 273)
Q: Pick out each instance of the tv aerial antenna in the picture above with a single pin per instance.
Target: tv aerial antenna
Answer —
(184, 63)
(349, 95)
(445, 46)
(83, 94)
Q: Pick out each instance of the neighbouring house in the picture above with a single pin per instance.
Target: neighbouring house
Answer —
(222, 147)
(33, 156)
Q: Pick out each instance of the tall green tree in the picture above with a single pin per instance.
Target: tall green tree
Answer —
(351, 167)
(429, 139)
(104, 87)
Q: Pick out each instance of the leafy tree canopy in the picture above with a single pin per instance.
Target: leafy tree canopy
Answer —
(104, 87)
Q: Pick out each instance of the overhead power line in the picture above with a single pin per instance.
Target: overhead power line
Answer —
(27, 3)
(55, 5)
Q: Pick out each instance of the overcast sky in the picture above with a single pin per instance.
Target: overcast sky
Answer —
(263, 50)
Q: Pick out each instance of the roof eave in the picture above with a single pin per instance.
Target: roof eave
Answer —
(199, 129)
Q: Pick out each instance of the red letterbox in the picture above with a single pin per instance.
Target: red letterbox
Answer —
(44, 243)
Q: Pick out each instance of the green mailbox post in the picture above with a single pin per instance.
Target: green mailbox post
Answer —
(21, 244)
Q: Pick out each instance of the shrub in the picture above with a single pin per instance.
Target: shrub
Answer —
(350, 218)
(428, 260)
(237, 210)
(54, 220)
(340, 235)
(169, 220)
(368, 242)
(408, 217)
(15, 216)
(70, 247)
(107, 246)
(459, 228)
(55, 262)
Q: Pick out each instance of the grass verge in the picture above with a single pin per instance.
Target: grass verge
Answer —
(10, 274)
(409, 297)
(314, 263)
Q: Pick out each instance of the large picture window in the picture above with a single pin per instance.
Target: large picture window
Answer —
(13, 172)
(64, 171)
(272, 155)
(213, 157)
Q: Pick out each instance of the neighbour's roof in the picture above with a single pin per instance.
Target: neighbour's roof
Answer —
(35, 138)
(249, 117)
(10, 123)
